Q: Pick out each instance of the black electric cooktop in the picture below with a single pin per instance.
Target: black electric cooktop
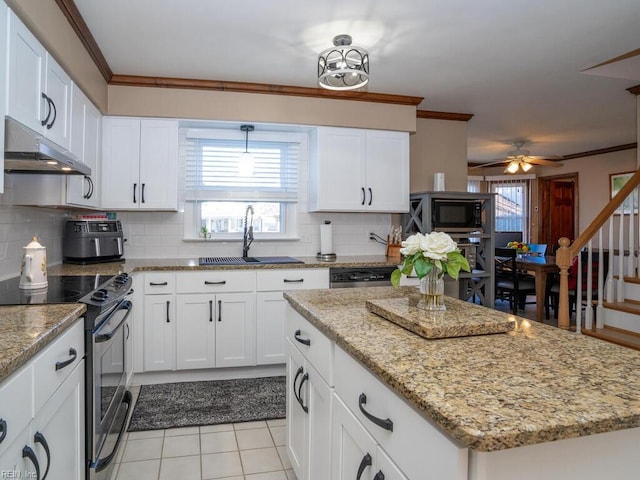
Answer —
(61, 289)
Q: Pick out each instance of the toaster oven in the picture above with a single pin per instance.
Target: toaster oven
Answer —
(92, 241)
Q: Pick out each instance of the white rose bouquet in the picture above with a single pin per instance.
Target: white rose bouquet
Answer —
(433, 250)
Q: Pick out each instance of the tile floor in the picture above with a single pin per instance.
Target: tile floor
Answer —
(240, 451)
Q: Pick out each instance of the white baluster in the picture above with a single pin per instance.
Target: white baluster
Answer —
(588, 311)
(631, 259)
(620, 282)
(600, 307)
(610, 284)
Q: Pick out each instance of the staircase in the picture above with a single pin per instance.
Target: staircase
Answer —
(617, 308)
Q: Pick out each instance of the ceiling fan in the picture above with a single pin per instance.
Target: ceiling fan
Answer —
(520, 160)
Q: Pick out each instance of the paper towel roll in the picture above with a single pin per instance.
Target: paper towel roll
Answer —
(326, 239)
(438, 182)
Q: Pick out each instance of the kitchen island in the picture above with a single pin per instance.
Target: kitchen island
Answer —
(533, 403)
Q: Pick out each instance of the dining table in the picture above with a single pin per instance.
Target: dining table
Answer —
(541, 266)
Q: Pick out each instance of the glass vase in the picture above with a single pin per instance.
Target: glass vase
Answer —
(432, 291)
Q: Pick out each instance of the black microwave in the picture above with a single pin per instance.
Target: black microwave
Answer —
(456, 215)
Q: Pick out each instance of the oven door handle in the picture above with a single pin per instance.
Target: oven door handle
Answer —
(103, 337)
(102, 463)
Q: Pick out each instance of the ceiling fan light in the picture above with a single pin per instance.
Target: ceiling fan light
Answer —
(513, 167)
(525, 166)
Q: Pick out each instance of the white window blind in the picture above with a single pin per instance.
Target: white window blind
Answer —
(217, 170)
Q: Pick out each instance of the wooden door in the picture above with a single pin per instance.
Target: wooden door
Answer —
(558, 206)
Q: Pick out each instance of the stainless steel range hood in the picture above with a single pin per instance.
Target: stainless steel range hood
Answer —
(26, 151)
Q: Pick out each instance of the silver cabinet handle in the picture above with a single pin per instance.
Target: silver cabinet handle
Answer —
(222, 282)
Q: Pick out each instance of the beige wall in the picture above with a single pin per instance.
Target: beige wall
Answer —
(249, 107)
(439, 146)
(47, 22)
(593, 180)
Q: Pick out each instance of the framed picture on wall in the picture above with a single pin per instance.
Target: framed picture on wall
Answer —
(616, 182)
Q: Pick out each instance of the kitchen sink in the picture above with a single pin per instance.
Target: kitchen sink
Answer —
(247, 260)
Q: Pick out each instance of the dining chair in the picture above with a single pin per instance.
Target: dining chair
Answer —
(508, 282)
(538, 249)
(553, 289)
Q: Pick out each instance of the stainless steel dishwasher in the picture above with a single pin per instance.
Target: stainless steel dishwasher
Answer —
(352, 277)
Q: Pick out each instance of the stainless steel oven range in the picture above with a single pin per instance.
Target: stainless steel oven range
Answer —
(107, 402)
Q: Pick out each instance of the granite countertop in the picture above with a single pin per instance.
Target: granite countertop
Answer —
(489, 392)
(188, 264)
(27, 329)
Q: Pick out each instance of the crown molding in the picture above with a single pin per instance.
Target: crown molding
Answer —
(601, 151)
(264, 88)
(70, 10)
(460, 117)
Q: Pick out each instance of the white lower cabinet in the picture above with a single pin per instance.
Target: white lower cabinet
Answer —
(309, 404)
(355, 427)
(215, 330)
(159, 332)
(50, 442)
(355, 453)
(271, 307)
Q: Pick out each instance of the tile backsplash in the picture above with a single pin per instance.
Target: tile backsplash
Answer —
(18, 225)
(159, 235)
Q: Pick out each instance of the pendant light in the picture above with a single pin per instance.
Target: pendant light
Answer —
(246, 160)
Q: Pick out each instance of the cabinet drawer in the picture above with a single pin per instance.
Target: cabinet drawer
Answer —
(414, 441)
(314, 345)
(51, 367)
(292, 279)
(158, 283)
(16, 399)
(216, 281)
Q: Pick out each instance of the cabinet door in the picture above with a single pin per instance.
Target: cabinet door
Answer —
(270, 328)
(159, 332)
(297, 423)
(60, 424)
(58, 89)
(319, 398)
(92, 153)
(77, 124)
(338, 173)
(78, 186)
(353, 449)
(26, 73)
(3, 85)
(120, 163)
(387, 171)
(195, 331)
(386, 467)
(235, 330)
(159, 164)
(13, 464)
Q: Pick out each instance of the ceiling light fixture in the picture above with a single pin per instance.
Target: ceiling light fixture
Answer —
(343, 66)
(516, 165)
(246, 160)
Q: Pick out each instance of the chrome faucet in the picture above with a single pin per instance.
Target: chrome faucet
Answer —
(247, 238)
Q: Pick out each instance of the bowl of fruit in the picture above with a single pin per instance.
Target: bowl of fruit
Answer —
(519, 246)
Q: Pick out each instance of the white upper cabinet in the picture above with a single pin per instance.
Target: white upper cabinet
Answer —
(355, 170)
(86, 128)
(139, 164)
(39, 90)
(3, 87)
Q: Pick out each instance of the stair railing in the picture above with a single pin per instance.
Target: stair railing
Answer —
(626, 200)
